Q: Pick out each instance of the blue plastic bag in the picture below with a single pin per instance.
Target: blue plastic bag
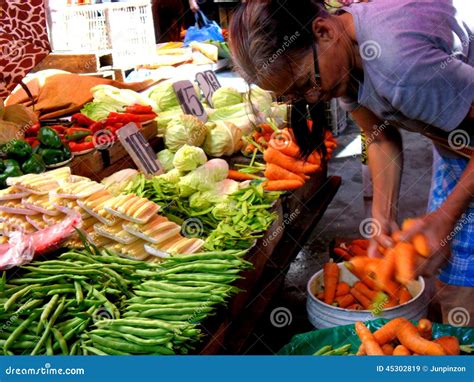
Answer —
(203, 30)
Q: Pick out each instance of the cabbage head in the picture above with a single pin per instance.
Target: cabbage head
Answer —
(188, 158)
(223, 138)
(187, 129)
(165, 157)
(226, 96)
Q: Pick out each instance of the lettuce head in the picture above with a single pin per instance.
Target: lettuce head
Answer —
(187, 129)
(188, 158)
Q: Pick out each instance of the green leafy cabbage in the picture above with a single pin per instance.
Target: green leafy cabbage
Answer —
(166, 157)
(226, 96)
(187, 129)
(188, 158)
(204, 178)
(223, 138)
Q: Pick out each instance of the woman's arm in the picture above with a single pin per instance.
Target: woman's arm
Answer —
(386, 163)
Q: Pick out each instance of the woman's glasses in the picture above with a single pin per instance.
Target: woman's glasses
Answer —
(313, 87)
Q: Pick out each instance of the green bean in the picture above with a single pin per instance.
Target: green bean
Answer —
(48, 308)
(19, 330)
(202, 277)
(339, 351)
(124, 346)
(190, 305)
(156, 300)
(182, 296)
(49, 346)
(79, 294)
(323, 350)
(109, 351)
(94, 350)
(140, 323)
(144, 333)
(49, 325)
(222, 255)
(20, 344)
(67, 272)
(106, 333)
(200, 268)
(74, 347)
(176, 288)
(21, 293)
(30, 304)
(60, 291)
(60, 340)
(42, 279)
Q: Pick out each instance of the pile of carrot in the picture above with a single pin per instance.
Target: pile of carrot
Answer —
(357, 247)
(400, 337)
(362, 295)
(331, 143)
(396, 268)
(284, 168)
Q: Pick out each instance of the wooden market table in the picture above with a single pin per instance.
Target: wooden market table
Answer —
(299, 212)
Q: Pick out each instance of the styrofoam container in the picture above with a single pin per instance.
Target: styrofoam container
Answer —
(322, 315)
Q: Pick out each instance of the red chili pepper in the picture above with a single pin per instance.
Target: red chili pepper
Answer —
(59, 129)
(33, 130)
(97, 126)
(123, 117)
(139, 109)
(73, 130)
(82, 120)
(146, 117)
(30, 140)
(76, 147)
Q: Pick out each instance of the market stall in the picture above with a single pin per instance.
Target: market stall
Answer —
(160, 216)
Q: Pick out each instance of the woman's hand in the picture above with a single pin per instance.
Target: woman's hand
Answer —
(383, 229)
(193, 5)
(438, 229)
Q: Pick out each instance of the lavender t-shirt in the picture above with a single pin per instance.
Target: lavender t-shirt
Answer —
(418, 60)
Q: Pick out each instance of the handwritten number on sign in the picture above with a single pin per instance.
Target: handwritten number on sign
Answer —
(189, 100)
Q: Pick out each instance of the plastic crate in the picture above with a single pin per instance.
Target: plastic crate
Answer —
(124, 29)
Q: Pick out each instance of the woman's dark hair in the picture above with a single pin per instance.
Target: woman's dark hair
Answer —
(265, 37)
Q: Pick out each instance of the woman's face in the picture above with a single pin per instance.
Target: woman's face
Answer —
(296, 75)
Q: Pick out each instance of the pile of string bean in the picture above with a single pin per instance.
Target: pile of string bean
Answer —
(93, 302)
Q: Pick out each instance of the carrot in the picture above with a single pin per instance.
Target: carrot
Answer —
(397, 236)
(388, 332)
(249, 149)
(409, 337)
(266, 128)
(450, 344)
(405, 262)
(387, 349)
(366, 337)
(386, 272)
(282, 185)
(421, 245)
(284, 144)
(357, 265)
(357, 250)
(369, 282)
(370, 294)
(345, 301)
(381, 249)
(314, 158)
(320, 296)
(240, 176)
(407, 224)
(256, 135)
(390, 303)
(342, 289)
(275, 172)
(331, 278)
(363, 243)
(425, 328)
(404, 295)
(341, 252)
(274, 156)
(401, 350)
(364, 301)
(361, 350)
(355, 306)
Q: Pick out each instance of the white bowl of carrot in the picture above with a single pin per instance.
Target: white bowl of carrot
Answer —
(350, 306)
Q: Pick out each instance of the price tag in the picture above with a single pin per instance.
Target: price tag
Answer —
(139, 149)
(189, 100)
(208, 83)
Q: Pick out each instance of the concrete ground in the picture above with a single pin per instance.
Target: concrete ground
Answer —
(341, 219)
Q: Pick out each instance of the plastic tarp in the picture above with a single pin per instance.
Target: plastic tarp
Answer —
(309, 343)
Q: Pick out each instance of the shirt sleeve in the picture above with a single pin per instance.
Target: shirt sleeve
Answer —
(438, 90)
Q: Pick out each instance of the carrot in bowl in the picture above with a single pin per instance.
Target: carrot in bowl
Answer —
(342, 289)
(341, 252)
(331, 279)
(345, 300)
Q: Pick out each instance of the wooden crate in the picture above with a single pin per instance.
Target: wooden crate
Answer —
(101, 163)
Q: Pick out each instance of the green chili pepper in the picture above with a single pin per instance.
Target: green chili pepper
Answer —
(33, 165)
(49, 138)
(51, 156)
(18, 149)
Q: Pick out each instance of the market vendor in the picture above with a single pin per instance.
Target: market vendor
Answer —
(394, 64)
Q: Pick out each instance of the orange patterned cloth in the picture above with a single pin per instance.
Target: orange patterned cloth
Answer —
(23, 40)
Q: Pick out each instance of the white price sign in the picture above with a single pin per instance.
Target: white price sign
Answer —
(208, 83)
